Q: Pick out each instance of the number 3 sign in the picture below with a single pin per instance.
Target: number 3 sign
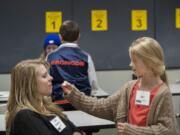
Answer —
(139, 20)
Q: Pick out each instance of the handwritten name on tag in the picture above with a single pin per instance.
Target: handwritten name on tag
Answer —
(142, 98)
(58, 124)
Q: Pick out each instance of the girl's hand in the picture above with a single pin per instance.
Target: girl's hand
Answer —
(67, 87)
(121, 128)
(77, 133)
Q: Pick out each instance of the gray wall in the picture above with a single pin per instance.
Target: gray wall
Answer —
(23, 29)
(110, 81)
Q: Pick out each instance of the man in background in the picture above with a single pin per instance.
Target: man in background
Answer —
(72, 64)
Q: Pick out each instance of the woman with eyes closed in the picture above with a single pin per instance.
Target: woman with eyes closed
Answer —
(30, 110)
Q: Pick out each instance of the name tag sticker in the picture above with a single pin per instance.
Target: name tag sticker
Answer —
(142, 98)
(58, 124)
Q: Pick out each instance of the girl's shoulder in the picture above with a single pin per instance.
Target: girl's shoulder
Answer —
(164, 89)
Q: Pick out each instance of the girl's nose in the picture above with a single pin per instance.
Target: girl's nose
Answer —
(50, 78)
(130, 64)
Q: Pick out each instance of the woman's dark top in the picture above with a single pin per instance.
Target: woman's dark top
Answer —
(27, 122)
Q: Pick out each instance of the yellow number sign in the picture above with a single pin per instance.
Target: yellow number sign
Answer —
(177, 17)
(139, 20)
(53, 21)
(99, 20)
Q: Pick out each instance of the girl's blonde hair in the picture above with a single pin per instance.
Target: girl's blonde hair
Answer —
(24, 93)
(151, 53)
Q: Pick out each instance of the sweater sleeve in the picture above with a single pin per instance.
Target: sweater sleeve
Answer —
(165, 124)
(104, 107)
(27, 123)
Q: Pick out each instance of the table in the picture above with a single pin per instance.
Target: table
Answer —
(4, 96)
(87, 122)
(175, 89)
(84, 121)
(2, 124)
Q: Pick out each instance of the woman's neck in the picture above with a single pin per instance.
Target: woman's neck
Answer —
(41, 106)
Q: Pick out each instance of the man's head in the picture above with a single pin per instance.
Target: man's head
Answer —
(69, 31)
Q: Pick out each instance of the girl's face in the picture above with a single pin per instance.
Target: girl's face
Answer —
(44, 81)
(50, 48)
(138, 66)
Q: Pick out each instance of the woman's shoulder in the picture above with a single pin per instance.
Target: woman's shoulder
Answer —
(25, 114)
(25, 111)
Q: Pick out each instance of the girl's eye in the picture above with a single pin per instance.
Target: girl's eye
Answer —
(44, 75)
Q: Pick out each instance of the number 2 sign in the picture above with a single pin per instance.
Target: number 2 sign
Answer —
(99, 21)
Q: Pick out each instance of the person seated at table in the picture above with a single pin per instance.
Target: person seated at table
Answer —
(143, 106)
(29, 109)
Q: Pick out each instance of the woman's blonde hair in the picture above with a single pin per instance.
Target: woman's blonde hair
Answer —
(151, 53)
(43, 55)
(24, 93)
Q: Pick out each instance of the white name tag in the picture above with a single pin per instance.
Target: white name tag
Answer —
(58, 124)
(142, 98)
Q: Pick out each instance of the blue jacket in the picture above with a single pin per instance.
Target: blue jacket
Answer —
(70, 64)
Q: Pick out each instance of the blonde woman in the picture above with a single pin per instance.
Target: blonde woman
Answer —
(141, 107)
(29, 110)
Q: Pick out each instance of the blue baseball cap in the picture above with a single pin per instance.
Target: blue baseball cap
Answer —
(52, 39)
